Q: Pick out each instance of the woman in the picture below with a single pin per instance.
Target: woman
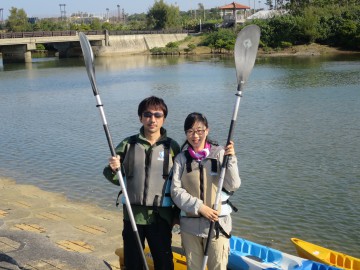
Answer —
(196, 173)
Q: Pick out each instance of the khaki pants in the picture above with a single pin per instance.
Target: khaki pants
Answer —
(194, 246)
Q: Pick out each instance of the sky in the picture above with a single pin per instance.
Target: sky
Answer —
(51, 8)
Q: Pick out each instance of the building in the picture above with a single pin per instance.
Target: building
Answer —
(234, 13)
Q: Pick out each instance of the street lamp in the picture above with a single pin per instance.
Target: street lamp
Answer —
(107, 15)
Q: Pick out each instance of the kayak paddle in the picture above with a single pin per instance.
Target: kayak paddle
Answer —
(90, 68)
(246, 47)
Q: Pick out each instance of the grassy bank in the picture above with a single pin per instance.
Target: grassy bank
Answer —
(310, 49)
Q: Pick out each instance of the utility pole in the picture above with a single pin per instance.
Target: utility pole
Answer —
(62, 11)
(1, 15)
(118, 16)
(107, 15)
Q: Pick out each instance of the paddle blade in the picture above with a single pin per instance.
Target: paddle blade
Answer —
(89, 60)
(246, 47)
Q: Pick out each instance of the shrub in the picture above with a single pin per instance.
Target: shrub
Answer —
(285, 44)
(40, 47)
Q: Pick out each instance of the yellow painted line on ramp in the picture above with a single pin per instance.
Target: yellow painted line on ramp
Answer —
(76, 246)
(92, 229)
(3, 213)
(51, 216)
(8, 245)
(29, 227)
(46, 265)
(22, 204)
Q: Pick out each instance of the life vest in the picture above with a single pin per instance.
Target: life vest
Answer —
(147, 174)
(201, 180)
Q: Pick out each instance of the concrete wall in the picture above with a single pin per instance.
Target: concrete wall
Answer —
(134, 44)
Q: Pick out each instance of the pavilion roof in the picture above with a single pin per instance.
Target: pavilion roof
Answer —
(235, 6)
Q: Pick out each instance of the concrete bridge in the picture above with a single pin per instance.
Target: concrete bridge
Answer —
(17, 47)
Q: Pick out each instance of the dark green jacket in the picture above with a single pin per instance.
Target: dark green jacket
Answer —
(143, 214)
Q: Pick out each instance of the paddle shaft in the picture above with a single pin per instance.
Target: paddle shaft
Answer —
(119, 175)
(223, 171)
(245, 51)
(88, 56)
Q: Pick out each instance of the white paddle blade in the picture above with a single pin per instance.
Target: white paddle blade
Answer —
(89, 60)
(245, 51)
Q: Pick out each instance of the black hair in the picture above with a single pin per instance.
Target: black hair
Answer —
(195, 117)
(191, 119)
(156, 102)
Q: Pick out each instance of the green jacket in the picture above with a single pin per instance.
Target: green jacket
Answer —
(143, 214)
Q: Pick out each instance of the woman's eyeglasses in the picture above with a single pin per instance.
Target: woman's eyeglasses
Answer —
(191, 132)
(155, 114)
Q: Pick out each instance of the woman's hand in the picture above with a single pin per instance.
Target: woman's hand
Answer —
(114, 163)
(229, 149)
(208, 213)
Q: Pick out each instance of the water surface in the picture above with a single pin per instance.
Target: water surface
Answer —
(297, 134)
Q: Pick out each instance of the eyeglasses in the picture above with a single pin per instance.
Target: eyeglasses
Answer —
(155, 114)
(191, 132)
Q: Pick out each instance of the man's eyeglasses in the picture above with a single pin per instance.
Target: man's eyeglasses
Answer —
(191, 132)
(155, 114)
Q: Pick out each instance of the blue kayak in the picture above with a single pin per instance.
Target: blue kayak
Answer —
(247, 255)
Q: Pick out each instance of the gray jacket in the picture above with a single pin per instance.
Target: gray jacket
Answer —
(199, 226)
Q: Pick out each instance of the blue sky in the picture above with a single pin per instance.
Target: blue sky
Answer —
(51, 8)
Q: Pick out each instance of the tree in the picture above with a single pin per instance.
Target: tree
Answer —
(201, 11)
(17, 20)
(163, 16)
(221, 39)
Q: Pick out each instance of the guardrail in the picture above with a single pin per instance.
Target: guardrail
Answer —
(92, 32)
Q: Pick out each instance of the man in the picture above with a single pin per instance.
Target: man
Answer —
(146, 159)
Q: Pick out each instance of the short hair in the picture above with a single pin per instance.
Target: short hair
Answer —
(195, 117)
(156, 102)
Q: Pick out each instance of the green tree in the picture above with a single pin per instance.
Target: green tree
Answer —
(95, 24)
(17, 20)
(221, 39)
(162, 16)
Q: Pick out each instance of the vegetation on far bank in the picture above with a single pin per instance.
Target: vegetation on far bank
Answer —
(333, 23)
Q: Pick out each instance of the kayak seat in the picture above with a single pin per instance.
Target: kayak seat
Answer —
(254, 251)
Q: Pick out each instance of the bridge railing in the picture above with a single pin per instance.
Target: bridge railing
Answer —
(47, 34)
(144, 32)
(91, 32)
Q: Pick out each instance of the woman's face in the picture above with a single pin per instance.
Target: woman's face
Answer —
(196, 136)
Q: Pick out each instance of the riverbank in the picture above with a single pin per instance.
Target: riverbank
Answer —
(312, 49)
(76, 235)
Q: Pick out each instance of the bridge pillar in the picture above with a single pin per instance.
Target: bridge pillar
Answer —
(17, 53)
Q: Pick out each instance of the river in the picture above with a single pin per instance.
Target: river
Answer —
(297, 135)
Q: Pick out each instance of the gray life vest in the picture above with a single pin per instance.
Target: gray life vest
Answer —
(201, 180)
(147, 174)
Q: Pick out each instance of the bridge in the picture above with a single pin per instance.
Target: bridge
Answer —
(17, 47)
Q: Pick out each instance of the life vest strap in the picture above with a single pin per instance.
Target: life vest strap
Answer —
(218, 229)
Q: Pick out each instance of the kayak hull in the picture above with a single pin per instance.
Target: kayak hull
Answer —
(324, 255)
(247, 255)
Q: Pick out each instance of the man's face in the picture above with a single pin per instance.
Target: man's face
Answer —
(152, 119)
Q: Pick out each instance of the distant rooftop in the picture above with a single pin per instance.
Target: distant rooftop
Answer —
(234, 6)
